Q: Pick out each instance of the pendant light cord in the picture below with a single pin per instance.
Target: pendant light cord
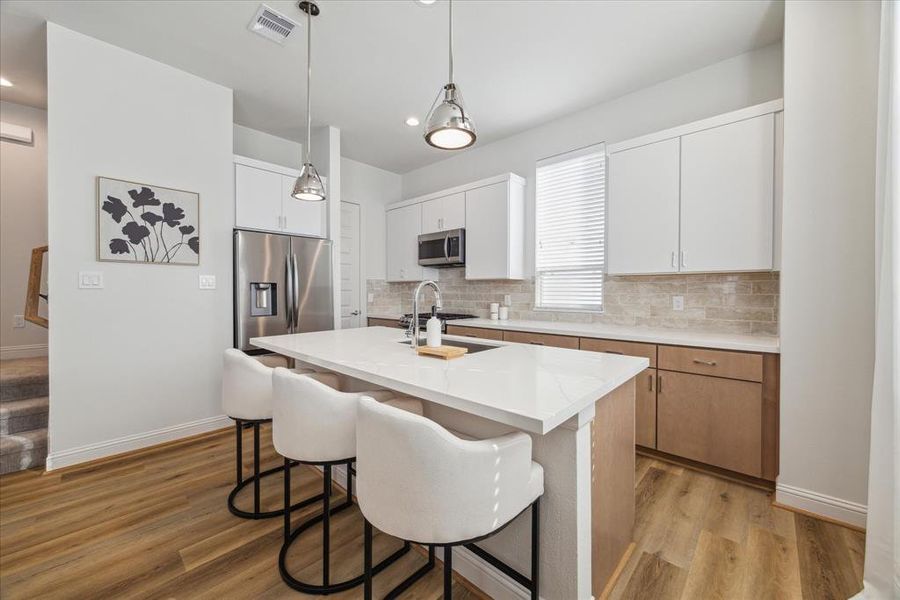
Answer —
(451, 41)
(308, 78)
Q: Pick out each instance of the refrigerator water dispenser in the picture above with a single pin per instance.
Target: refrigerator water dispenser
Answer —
(262, 299)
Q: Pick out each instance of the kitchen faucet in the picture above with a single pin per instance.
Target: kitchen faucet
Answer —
(414, 322)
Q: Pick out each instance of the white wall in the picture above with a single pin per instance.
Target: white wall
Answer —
(828, 255)
(735, 83)
(139, 361)
(23, 225)
(270, 148)
(372, 188)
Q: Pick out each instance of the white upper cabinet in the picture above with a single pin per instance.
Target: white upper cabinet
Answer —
(727, 197)
(257, 198)
(642, 215)
(300, 217)
(262, 200)
(495, 231)
(402, 233)
(697, 198)
(441, 214)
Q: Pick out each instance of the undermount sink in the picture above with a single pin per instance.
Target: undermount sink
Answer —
(470, 346)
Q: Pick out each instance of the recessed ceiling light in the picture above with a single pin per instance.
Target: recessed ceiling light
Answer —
(425, 2)
(412, 122)
(4, 82)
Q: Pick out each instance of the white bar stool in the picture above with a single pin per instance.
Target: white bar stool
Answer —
(247, 398)
(420, 483)
(314, 424)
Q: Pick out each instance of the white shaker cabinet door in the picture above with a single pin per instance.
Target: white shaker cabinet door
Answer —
(301, 217)
(494, 226)
(454, 211)
(432, 210)
(642, 217)
(257, 195)
(402, 232)
(727, 197)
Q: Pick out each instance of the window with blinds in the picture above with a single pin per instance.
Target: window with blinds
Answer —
(570, 230)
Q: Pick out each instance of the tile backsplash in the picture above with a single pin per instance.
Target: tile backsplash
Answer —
(724, 302)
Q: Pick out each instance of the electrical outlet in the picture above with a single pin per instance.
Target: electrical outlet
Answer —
(207, 282)
(678, 303)
(18, 321)
(90, 280)
(370, 297)
(507, 300)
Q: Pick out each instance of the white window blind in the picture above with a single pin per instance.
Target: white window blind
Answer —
(570, 230)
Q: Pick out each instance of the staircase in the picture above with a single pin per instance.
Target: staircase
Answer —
(23, 413)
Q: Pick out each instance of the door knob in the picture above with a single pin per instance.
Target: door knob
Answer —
(354, 313)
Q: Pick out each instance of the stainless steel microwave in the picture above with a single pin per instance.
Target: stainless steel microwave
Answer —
(443, 249)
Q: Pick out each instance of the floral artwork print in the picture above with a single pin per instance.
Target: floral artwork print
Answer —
(147, 224)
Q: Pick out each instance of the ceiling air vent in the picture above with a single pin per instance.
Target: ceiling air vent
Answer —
(271, 24)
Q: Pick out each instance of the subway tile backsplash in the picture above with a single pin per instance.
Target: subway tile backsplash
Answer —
(723, 302)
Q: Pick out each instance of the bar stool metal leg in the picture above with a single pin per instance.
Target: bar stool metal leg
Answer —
(448, 572)
(367, 561)
(326, 528)
(239, 454)
(535, 548)
(256, 467)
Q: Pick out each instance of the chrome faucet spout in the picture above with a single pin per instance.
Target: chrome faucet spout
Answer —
(414, 343)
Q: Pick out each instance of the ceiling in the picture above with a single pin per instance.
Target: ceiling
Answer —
(519, 63)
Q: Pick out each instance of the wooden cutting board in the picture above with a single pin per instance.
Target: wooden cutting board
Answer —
(445, 352)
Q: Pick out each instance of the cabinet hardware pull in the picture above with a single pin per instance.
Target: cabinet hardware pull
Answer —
(537, 343)
(708, 363)
(659, 384)
(674, 263)
(613, 352)
(684, 258)
(650, 381)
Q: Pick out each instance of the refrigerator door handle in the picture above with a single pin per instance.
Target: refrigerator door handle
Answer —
(295, 291)
(288, 292)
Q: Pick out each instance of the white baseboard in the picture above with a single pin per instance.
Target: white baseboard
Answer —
(23, 351)
(485, 577)
(74, 456)
(821, 504)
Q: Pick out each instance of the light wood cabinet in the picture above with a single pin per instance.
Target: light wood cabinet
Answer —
(402, 233)
(718, 363)
(441, 214)
(376, 322)
(643, 209)
(727, 197)
(645, 409)
(711, 420)
(495, 231)
(475, 332)
(621, 347)
(262, 201)
(541, 339)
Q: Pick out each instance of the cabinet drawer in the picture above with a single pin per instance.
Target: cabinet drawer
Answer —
(541, 339)
(376, 322)
(475, 332)
(711, 420)
(720, 363)
(620, 347)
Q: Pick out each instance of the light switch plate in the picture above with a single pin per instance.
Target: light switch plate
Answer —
(207, 282)
(90, 280)
(18, 321)
(370, 297)
(507, 300)
(678, 303)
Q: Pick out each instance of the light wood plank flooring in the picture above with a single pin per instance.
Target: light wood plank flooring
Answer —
(154, 525)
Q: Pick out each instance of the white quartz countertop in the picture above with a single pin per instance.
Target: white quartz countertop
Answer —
(533, 388)
(675, 337)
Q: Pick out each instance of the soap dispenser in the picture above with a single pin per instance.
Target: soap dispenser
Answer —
(433, 330)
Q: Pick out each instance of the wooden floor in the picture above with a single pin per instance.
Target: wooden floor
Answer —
(701, 537)
(154, 525)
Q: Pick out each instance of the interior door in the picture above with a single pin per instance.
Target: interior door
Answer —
(350, 258)
(643, 209)
(257, 196)
(300, 216)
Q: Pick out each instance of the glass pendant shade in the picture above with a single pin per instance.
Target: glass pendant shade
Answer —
(449, 126)
(309, 185)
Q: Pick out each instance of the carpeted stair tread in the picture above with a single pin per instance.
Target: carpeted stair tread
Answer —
(23, 450)
(23, 378)
(23, 415)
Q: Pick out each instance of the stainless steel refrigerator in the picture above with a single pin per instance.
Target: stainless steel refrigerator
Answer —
(282, 284)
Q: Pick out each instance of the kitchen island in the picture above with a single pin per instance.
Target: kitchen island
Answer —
(577, 406)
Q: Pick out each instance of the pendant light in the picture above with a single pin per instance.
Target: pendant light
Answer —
(309, 186)
(449, 126)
